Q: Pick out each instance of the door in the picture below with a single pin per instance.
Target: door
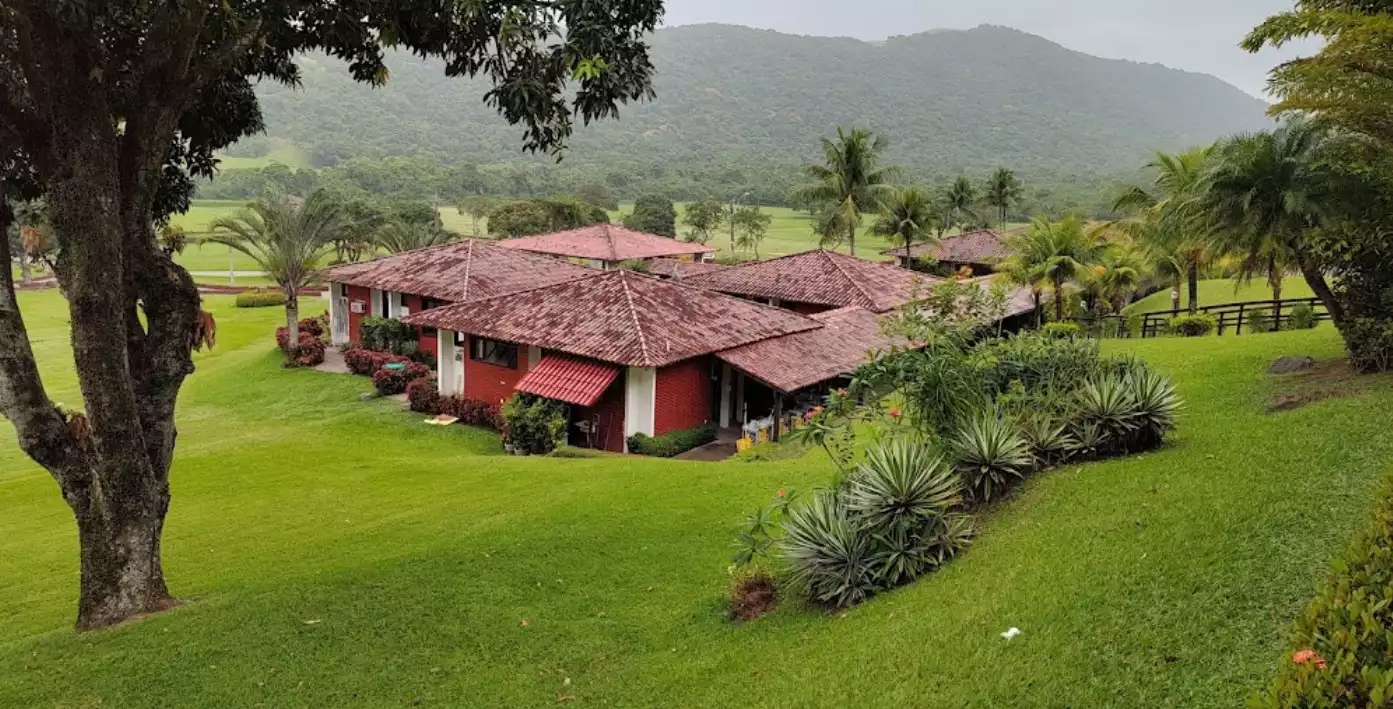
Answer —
(340, 308)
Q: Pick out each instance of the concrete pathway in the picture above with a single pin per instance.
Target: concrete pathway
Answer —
(720, 449)
(333, 362)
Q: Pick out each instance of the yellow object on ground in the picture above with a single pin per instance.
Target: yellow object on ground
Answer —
(743, 445)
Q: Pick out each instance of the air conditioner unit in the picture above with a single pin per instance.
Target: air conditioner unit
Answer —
(357, 306)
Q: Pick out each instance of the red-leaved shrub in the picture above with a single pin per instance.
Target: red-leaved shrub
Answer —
(423, 395)
(390, 381)
(472, 412)
(364, 362)
(316, 327)
(309, 350)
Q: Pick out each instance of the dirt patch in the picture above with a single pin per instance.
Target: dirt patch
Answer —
(1324, 380)
(752, 597)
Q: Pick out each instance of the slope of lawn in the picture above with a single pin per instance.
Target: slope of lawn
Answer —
(1223, 290)
(339, 553)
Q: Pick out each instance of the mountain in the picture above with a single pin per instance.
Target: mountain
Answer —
(734, 97)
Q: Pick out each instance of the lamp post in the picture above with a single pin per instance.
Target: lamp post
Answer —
(733, 204)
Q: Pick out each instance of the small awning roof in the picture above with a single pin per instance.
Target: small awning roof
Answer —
(570, 379)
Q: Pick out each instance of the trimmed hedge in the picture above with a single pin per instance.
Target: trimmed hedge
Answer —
(1193, 325)
(1342, 655)
(672, 444)
(260, 298)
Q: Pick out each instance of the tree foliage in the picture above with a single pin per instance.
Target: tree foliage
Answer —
(653, 214)
(543, 216)
(704, 217)
(851, 181)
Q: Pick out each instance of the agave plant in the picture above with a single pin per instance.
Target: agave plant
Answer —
(1157, 406)
(829, 556)
(1049, 439)
(1089, 440)
(1107, 403)
(988, 453)
(900, 486)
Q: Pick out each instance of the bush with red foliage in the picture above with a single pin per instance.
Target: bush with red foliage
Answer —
(423, 395)
(364, 362)
(391, 381)
(472, 412)
(312, 343)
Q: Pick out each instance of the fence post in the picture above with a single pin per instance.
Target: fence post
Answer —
(1277, 316)
(1242, 308)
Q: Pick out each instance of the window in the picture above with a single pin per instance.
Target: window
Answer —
(405, 300)
(501, 354)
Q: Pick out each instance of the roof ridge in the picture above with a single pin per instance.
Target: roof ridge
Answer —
(468, 267)
(869, 298)
(633, 314)
(609, 236)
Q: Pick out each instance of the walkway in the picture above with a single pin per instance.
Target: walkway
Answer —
(333, 362)
(720, 449)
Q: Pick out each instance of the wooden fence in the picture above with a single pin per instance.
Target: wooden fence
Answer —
(1228, 317)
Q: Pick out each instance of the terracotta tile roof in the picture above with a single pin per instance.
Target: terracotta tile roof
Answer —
(1019, 299)
(621, 317)
(605, 242)
(823, 278)
(465, 270)
(674, 268)
(570, 379)
(983, 246)
(792, 362)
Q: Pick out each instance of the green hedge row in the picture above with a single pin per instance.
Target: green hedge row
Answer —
(1342, 655)
(260, 298)
(672, 444)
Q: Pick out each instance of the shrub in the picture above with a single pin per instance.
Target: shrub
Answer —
(672, 444)
(1343, 653)
(895, 519)
(471, 412)
(1193, 325)
(1039, 363)
(533, 425)
(988, 452)
(769, 451)
(1089, 441)
(1062, 330)
(1048, 438)
(364, 362)
(392, 380)
(316, 328)
(1301, 317)
(1109, 405)
(385, 334)
(1370, 344)
(260, 298)
(829, 558)
(1157, 405)
(1258, 321)
(309, 350)
(423, 395)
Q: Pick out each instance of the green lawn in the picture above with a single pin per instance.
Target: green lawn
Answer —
(1222, 290)
(340, 553)
(284, 153)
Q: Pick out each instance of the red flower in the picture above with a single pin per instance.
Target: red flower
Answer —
(780, 493)
(894, 412)
(1307, 656)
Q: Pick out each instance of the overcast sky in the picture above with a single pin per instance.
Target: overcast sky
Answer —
(1195, 35)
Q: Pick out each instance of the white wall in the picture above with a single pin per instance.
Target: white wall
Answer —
(451, 371)
(640, 400)
(338, 315)
(375, 303)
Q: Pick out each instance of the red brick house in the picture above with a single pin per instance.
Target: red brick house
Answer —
(980, 251)
(606, 246)
(630, 353)
(818, 281)
(396, 286)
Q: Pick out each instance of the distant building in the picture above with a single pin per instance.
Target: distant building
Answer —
(979, 251)
(607, 246)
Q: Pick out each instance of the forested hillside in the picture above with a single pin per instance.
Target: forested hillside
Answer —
(740, 108)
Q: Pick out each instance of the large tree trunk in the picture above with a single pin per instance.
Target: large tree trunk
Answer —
(292, 320)
(1192, 276)
(1315, 278)
(1058, 300)
(122, 577)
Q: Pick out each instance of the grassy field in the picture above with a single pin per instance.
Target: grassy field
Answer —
(339, 553)
(1223, 290)
(284, 153)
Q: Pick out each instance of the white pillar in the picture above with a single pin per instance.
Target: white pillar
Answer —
(724, 421)
(449, 364)
(640, 400)
(338, 315)
(375, 303)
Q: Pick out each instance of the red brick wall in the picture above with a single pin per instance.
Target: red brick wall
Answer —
(683, 397)
(489, 382)
(355, 320)
(427, 342)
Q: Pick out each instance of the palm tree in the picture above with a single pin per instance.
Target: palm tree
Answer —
(1164, 215)
(1058, 252)
(397, 236)
(1263, 195)
(852, 180)
(907, 217)
(1003, 190)
(960, 201)
(1120, 275)
(1029, 273)
(287, 240)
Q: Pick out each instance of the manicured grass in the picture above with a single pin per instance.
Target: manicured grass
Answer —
(284, 153)
(1222, 290)
(335, 552)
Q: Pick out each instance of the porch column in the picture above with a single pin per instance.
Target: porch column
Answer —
(375, 304)
(640, 401)
(741, 413)
(450, 368)
(724, 419)
(778, 416)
